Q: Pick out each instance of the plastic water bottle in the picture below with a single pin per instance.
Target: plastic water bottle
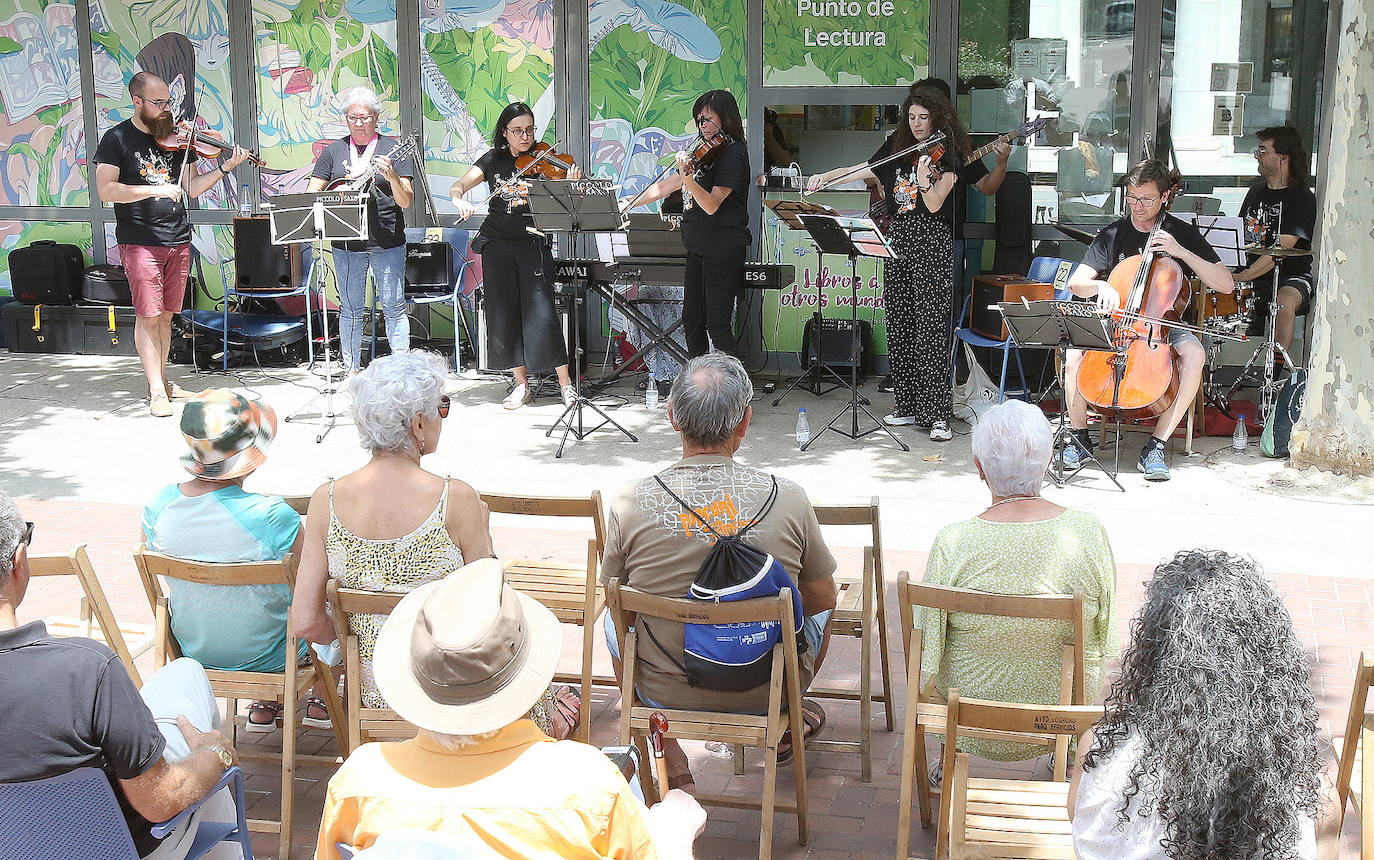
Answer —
(245, 204)
(651, 393)
(803, 428)
(1240, 437)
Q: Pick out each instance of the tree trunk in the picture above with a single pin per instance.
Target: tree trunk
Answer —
(1336, 429)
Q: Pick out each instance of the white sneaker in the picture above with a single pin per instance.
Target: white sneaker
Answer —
(895, 420)
(940, 432)
(569, 394)
(519, 396)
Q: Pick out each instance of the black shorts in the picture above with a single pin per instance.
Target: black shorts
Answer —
(1305, 284)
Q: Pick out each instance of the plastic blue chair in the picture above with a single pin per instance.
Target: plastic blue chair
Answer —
(75, 814)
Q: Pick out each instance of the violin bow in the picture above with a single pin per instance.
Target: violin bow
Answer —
(634, 201)
(546, 155)
(919, 146)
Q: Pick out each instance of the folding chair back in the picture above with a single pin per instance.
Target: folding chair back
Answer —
(627, 606)
(570, 591)
(96, 619)
(1358, 724)
(364, 724)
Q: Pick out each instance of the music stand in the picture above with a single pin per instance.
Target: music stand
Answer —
(852, 238)
(576, 206)
(313, 217)
(1060, 325)
(813, 378)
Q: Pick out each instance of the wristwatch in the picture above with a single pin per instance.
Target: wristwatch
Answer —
(226, 758)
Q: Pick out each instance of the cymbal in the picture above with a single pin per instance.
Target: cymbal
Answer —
(1074, 233)
(1277, 251)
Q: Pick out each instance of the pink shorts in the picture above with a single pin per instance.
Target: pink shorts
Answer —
(157, 276)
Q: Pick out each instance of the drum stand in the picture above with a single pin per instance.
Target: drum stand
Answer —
(1269, 385)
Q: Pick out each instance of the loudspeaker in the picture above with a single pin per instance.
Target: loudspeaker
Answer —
(835, 345)
(989, 290)
(561, 305)
(429, 268)
(260, 265)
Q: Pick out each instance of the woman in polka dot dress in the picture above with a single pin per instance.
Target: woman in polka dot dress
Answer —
(918, 284)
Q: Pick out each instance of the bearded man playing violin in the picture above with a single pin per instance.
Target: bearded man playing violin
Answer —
(148, 184)
(1149, 187)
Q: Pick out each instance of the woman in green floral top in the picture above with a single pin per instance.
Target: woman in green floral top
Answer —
(1021, 544)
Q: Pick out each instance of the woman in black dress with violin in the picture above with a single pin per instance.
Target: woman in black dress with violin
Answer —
(918, 285)
(714, 180)
(517, 266)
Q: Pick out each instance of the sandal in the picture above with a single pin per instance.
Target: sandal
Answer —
(813, 720)
(316, 722)
(259, 726)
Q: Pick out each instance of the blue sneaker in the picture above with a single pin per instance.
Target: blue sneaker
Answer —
(1072, 457)
(1153, 465)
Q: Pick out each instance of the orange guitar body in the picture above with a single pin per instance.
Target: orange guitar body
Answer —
(1140, 379)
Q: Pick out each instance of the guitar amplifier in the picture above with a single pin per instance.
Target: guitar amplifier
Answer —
(429, 268)
(259, 265)
(989, 290)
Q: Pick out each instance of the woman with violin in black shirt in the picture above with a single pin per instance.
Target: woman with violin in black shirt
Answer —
(714, 180)
(517, 265)
(917, 284)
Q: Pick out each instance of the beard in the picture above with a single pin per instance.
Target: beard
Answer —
(161, 126)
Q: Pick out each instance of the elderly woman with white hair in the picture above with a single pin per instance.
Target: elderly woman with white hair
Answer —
(1021, 544)
(393, 525)
(384, 249)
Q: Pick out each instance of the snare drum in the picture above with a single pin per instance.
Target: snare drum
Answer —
(1220, 310)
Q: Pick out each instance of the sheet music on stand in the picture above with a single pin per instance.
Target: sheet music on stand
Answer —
(847, 235)
(339, 216)
(789, 211)
(575, 206)
(1225, 233)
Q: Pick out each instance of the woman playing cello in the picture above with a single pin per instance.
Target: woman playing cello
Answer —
(517, 266)
(917, 284)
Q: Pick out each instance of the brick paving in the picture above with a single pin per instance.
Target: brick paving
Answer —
(849, 819)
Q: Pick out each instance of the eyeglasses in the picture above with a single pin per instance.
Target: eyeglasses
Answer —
(27, 537)
(1259, 150)
(521, 132)
(359, 119)
(160, 104)
(1141, 201)
(703, 119)
(443, 406)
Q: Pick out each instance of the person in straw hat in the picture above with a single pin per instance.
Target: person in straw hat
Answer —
(464, 659)
(211, 518)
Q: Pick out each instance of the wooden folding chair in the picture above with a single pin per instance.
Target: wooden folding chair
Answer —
(364, 725)
(299, 504)
(284, 687)
(765, 731)
(95, 618)
(1352, 751)
(1008, 817)
(924, 715)
(570, 591)
(860, 611)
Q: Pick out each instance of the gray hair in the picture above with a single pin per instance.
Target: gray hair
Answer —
(456, 743)
(709, 398)
(391, 392)
(1013, 442)
(11, 529)
(361, 96)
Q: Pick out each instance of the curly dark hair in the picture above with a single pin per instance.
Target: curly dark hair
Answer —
(943, 118)
(1215, 686)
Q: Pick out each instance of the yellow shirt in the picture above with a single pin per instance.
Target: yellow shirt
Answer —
(519, 793)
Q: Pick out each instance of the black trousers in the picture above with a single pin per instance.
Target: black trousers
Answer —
(517, 298)
(708, 301)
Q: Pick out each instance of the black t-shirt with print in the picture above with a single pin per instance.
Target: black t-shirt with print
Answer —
(899, 185)
(508, 214)
(386, 222)
(728, 228)
(155, 221)
(1294, 210)
(968, 177)
(1120, 240)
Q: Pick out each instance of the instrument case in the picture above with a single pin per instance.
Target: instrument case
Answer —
(46, 273)
(106, 285)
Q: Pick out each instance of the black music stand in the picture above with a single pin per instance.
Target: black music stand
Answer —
(575, 206)
(852, 238)
(1060, 325)
(313, 217)
(813, 378)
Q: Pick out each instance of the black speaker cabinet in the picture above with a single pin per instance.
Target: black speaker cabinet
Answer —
(259, 265)
(835, 345)
(429, 268)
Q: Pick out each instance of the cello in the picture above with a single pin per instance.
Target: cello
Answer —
(1138, 379)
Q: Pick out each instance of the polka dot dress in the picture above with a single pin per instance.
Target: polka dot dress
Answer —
(917, 292)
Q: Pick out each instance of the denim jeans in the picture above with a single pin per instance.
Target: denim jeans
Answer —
(388, 278)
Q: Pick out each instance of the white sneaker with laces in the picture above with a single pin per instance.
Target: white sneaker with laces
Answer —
(893, 419)
(569, 394)
(940, 432)
(519, 396)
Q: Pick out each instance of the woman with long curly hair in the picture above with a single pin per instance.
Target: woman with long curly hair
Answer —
(1209, 747)
(917, 283)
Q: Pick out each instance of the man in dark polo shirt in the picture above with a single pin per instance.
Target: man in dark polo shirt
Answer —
(69, 703)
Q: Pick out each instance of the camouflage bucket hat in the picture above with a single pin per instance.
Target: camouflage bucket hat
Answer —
(228, 434)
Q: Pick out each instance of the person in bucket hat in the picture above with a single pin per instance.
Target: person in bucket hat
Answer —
(464, 659)
(212, 518)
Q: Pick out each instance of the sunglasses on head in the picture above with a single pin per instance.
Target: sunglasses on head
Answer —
(26, 537)
(443, 406)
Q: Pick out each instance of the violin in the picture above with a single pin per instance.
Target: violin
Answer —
(205, 144)
(707, 150)
(1139, 379)
(545, 162)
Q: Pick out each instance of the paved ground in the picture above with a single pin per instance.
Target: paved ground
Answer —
(82, 457)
